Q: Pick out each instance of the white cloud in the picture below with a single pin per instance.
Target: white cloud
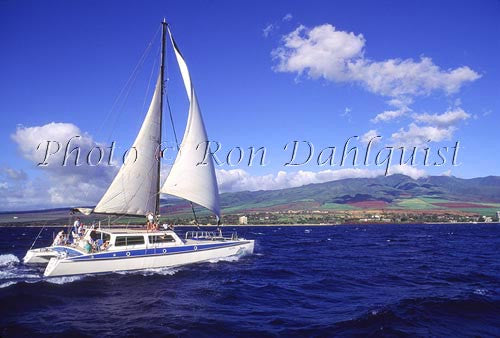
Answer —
(287, 17)
(14, 174)
(419, 135)
(388, 115)
(324, 52)
(240, 180)
(447, 173)
(56, 185)
(31, 141)
(369, 135)
(321, 52)
(407, 170)
(446, 119)
(268, 30)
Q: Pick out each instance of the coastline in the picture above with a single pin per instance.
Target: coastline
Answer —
(137, 226)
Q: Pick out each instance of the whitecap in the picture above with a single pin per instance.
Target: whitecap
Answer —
(481, 292)
(165, 271)
(225, 259)
(63, 280)
(16, 273)
(7, 284)
(8, 260)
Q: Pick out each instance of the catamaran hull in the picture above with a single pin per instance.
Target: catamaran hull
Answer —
(39, 256)
(71, 266)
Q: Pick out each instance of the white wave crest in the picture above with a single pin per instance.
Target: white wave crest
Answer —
(17, 273)
(166, 271)
(63, 280)
(8, 260)
(225, 259)
(7, 284)
(481, 292)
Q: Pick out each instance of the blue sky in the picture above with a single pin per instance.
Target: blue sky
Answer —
(266, 73)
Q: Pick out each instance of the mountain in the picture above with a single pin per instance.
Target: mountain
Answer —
(385, 191)
(398, 193)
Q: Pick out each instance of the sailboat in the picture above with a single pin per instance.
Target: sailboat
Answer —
(135, 191)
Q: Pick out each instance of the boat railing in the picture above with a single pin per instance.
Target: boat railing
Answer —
(210, 235)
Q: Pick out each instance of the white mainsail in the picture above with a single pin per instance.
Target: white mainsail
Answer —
(134, 190)
(188, 179)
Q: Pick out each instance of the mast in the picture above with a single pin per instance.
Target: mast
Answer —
(162, 90)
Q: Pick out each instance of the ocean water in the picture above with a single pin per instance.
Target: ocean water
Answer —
(366, 280)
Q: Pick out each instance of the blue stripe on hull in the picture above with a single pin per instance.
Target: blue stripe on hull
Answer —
(69, 251)
(153, 251)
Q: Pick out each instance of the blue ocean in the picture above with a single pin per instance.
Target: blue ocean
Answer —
(357, 280)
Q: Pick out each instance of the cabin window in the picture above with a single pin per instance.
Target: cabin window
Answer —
(129, 240)
(104, 236)
(161, 239)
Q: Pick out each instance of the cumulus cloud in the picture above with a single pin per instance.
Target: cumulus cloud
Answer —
(370, 135)
(416, 135)
(388, 115)
(57, 184)
(320, 52)
(430, 128)
(287, 17)
(240, 180)
(339, 56)
(408, 170)
(446, 119)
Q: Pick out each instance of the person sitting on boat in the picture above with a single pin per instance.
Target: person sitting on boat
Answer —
(94, 235)
(76, 225)
(76, 236)
(98, 244)
(150, 221)
(104, 246)
(59, 240)
(81, 230)
(87, 247)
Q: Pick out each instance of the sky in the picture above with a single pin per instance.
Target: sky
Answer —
(270, 74)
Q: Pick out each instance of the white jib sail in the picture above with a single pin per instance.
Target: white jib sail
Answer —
(189, 178)
(135, 187)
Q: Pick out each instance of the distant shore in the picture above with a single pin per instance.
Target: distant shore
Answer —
(138, 226)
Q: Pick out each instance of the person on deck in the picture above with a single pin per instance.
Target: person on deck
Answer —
(150, 221)
(59, 240)
(76, 225)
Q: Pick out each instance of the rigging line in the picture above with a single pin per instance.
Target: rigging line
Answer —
(172, 122)
(130, 80)
(120, 109)
(149, 83)
(37, 236)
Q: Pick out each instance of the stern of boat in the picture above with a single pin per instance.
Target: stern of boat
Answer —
(38, 256)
